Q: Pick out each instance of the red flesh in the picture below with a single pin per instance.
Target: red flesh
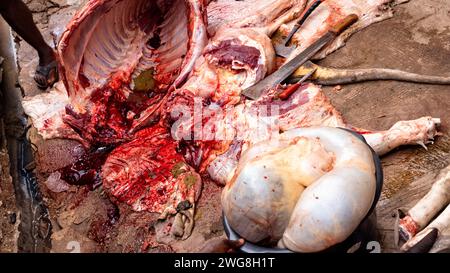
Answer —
(145, 171)
(408, 227)
(228, 52)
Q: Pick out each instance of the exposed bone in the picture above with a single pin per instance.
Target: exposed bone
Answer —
(427, 208)
(411, 132)
(264, 14)
(442, 222)
(333, 76)
(332, 11)
(106, 36)
(290, 15)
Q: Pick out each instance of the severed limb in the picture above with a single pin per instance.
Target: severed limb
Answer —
(412, 132)
(442, 244)
(442, 222)
(427, 208)
(334, 76)
(184, 223)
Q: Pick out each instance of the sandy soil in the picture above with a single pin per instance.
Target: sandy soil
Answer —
(416, 40)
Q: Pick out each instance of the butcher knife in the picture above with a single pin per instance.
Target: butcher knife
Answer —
(255, 91)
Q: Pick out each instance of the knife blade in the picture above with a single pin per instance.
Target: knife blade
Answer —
(283, 49)
(257, 90)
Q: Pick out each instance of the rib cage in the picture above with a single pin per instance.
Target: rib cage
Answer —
(108, 38)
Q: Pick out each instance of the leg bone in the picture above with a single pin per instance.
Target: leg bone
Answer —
(442, 222)
(420, 131)
(433, 202)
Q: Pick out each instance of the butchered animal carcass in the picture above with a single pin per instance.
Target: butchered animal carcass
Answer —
(136, 72)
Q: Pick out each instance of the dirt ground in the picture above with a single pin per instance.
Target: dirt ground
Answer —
(8, 213)
(417, 39)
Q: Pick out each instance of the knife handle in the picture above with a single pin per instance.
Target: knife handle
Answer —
(344, 24)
